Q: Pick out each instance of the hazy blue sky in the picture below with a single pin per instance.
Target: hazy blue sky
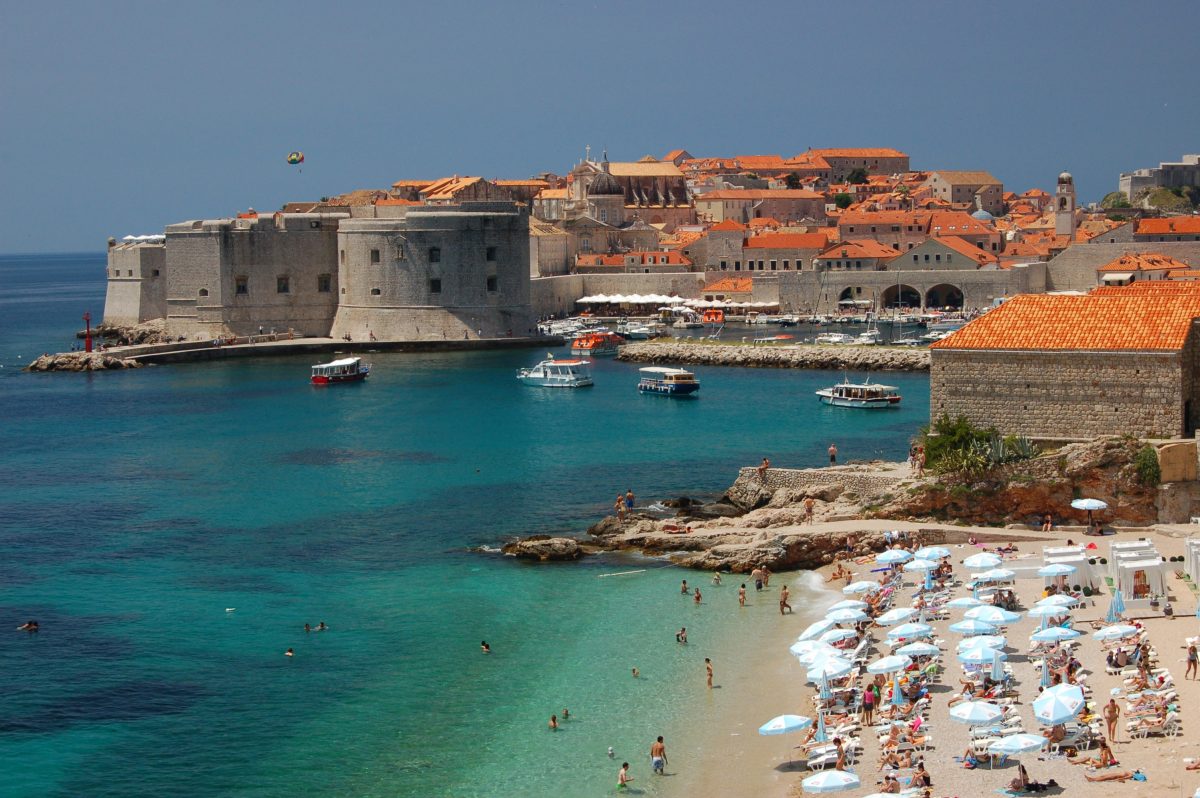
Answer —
(120, 117)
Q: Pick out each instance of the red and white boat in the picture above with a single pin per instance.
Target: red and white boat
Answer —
(349, 369)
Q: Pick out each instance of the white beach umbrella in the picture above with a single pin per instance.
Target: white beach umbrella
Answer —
(975, 713)
(831, 781)
(1058, 704)
(991, 614)
(849, 604)
(920, 565)
(931, 553)
(804, 647)
(831, 668)
(835, 635)
(972, 627)
(995, 575)
(980, 656)
(810, 658)
(907, 630)
(784, 724)
(863, 586)
(1054, 634)
(815, 629)
(1015, 744)
(982, 641)
(1117, 632)
(847, 616)
(892, 556)
(1057, 569)
(895, 615)
(890, 664)
(919, 649)
(982, 560)
(964, 602)
(1049, 611)
(1058, 600)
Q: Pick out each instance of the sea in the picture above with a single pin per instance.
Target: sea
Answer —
(173, 528)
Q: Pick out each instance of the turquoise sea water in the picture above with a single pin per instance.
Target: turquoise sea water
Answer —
(138, 506)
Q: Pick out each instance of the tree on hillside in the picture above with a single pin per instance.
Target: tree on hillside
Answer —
(857, 177)
(1115, 199)
(792, 180)
(843, 200)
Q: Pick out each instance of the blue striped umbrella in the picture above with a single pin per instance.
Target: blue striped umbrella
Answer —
(1116, 608)
(784, 724)
(893, 556)
(970, 627)
(1055, 634)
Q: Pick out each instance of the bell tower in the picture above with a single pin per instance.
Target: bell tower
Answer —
(1064, 206)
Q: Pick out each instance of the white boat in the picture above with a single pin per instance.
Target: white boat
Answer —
(667, 381)
(788, 320)
(929, 338)
(947, 325)
(349, 369)
(869, 338)
(859, 394)
(551, 373)
(834, 338)
(907, 341)
(640, 332)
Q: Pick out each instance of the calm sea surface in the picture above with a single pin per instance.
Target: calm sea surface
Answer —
(173, 528)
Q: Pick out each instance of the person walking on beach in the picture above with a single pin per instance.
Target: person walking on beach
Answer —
(762, 470)
(783, 600)
(1192, 660)
(809, 503)
(742, 595)
(708, 671)
(623, 777)
(833, 454)
(658, 756)
(869, 697)
(1112, 713)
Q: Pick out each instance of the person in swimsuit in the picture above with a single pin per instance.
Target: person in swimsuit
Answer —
(658, 756)
(683, 589)
(742, 595)
(681, 636)
(1192, 659)
(696, 598)
(783, 600)
(623, 777)
(629, 500)
(708, 669)
(484, 647)
(553, 723)
(833, 454)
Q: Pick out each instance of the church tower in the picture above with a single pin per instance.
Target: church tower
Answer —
(1064, 206)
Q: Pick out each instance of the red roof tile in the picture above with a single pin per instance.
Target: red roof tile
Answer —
(731, 285)
(816, 241)
(1169, 225)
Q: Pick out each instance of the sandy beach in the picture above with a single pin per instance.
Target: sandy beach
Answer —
(764, 680)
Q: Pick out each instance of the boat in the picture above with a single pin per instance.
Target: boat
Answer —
(596, 344)
(947, 325)
(667, 381)
(907, 341)
(349, 369)
(865, 394)
(551, 373)
(713, 316)
(788, 320)
(640, 332)
(835, 338)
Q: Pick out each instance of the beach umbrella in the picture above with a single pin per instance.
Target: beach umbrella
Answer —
(1057, 569)
(1091, 506)
(805, 647)
(1054, 634)
(997, 642)
(975, 713)
(831, 781)
(1058, 600)
(895, 615)
(964, 602)
(972, 627)
(1048, 611)
(1116, 632)
(863, 586)
(821, 736)
(931, 553)
(847, 616)
(785, 724)
(991, 614)
(998, 666)
(982, 560)
(890, 664)
(1045, 678)
(1116, 608)
(919, 649)
(907, 630)
(849, 604)
(995, 575)
(1058, 704)
(892, 556)
(814, 630)
(980, 656)
(834, 635)
(1015, 744)
(809, 658)
(831, 668)
(928, 566)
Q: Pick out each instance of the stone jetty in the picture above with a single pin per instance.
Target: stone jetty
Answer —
(801, 356)
(81, 361)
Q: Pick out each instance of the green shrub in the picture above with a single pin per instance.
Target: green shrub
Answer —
(1146, 464)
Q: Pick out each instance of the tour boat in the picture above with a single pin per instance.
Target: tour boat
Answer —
(349, 369)
(667, 381)
(596, 344)
(864, 394)
(835, 338)
(553, 373)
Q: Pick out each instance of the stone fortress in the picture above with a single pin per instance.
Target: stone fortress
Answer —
(420, 272)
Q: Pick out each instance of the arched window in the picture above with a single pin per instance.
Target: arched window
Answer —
(203, 292)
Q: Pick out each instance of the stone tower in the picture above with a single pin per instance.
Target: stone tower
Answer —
(1064, 206)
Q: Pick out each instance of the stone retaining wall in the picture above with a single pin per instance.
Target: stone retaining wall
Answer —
(861, 358)
(799, 479)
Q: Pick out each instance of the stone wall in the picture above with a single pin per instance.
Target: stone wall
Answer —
(137, 284)
(1061, 394)
(1075, 268)
(865, 484)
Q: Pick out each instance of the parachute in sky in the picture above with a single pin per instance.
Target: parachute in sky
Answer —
(295, 158)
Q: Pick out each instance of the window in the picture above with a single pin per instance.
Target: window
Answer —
(937, 258)
(281, 284)
(916, 258)
(374, 256)
(375, 292)
(435, 254)
(435, 286)
(342, 257)
(604, 214)
(490, 254)
(585, 243)
(493, 283)
(787, 264)
(241, 285)
(949, 257)
(154, 273)
(315, 224)
(204, 292)
(324, 283)
(724, 265)
(927, 257)
(129, 272)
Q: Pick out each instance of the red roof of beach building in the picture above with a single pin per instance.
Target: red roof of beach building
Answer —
(1169, 225)
(816, 241)
(1113, 319)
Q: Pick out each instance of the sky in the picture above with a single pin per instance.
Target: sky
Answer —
(118, 118)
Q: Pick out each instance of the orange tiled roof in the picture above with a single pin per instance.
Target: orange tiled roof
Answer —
(788, 241)
(750, 194)
(1143, 261)
(552, 193)
(1183, 274)
(417, 184)
(965, 178)
(857, 152)
(731, 285)
(763, 222)
(967, 248)
(859, 248)
(728, 224)
(1115, 319)
(808, 160)
(535, 183)
(1169, 225)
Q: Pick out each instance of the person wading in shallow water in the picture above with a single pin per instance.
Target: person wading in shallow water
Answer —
(833, 454)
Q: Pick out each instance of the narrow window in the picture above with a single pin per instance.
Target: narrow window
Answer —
(315, 224)
(324, 283)
(374, 256)
(937, 258)
(155, 273)
(375, 292)
(435, 286)
(241, 285)
(435, 254)
(342, 257)
(949, 257)
(204, 292)
(492, 283)
(491, 254)
(129, 272)
(281, 284)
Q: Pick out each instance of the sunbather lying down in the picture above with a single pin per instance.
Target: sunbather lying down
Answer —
(1120, 775)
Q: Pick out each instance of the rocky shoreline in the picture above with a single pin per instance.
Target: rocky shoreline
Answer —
(800, 356)
(82, 361)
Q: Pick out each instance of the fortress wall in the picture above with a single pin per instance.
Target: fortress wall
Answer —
(557, 295)
(1075, 268)
(137, 282)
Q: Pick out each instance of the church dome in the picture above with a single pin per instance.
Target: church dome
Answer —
(605, 185)
(1065, 177)
(983, 216)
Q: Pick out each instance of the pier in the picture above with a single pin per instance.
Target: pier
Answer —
(797, 356)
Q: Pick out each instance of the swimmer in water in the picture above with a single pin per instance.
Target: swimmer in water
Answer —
(697, 597)
(636, 673)
(683, 589)
(289, 653)
(28, 626)
(321, 627)
(742, 595)
(623, 777)
(566, 713)
(611, 752)
(307, 628)
(554, 723)
(483, 645)
(716, 580)
(681, 636)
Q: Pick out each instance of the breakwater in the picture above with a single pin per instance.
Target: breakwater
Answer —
(802, 356)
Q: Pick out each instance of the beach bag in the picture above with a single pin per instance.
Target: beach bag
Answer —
(1139, 775)
(1071, 751)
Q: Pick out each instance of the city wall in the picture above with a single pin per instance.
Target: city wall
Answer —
(551, 296)
(136, 289)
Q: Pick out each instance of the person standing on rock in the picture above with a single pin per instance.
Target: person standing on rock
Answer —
(809, 503)
(620, 508)
(629, 500)
(833, 454)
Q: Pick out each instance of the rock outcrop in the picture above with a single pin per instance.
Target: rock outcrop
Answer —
(545, 549)
(148, 332)
(81, 361)
(804, 356)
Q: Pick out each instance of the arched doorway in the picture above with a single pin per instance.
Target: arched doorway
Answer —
(944, 295)
(855, 296)
(903, 296)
